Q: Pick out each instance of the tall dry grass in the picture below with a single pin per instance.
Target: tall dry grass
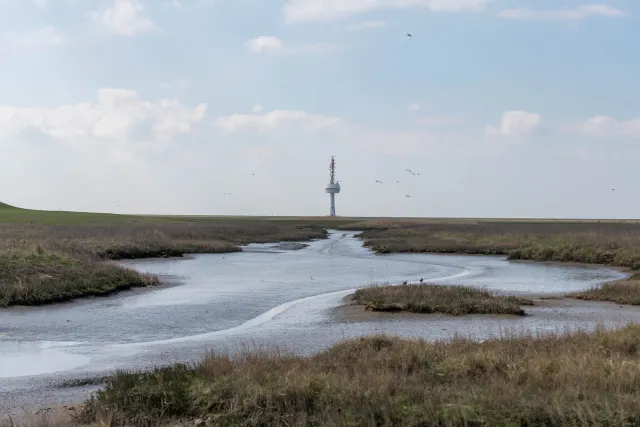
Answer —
(573, 380)
(151, 238)
(41, 277)
(432, 298)
(41, 264)
(593, 242)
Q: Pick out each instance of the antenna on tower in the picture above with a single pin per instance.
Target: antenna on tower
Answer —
(333, 187)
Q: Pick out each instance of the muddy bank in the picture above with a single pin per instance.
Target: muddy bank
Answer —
(290, 246)
(546, 310)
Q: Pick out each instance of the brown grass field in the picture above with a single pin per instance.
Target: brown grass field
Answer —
(432, 298)
(54, 256)
(572, 380)
(60, 257)
(613, 243)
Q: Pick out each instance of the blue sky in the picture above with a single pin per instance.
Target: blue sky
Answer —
(507, 108)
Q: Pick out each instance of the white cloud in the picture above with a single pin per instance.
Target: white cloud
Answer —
(257, 108)
(275, 120)
(275, 46)
(327, 10)
(119, 120)
(605, 126)
(126, 18)
(367, 25)
(283, 128)
(515, 124)
(46, 36)
(577, 13)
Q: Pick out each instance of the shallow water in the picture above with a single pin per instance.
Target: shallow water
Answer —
(261, 297)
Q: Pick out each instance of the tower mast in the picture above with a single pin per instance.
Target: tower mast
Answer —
(333, 187)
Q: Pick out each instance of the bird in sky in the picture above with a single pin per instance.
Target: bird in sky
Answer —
(409, 35)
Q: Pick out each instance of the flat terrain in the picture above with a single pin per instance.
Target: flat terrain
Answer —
(577, 379)
(50, 256)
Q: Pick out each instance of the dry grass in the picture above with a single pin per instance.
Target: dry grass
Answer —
(41, 277)
(618, 291)
(151, 238)
(577, 379)
(41, 264)
(593, 242)
(597, 243)
(430, 298)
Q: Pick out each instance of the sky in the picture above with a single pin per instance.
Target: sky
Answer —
(502, 108)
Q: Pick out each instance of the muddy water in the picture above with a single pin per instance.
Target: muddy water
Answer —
(264, 296)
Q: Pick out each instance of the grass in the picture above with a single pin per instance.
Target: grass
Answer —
(445, 299)
(618, 291)
(42, 277)
(61, 255)
(594, 242)
(89, 238)
(574, 379)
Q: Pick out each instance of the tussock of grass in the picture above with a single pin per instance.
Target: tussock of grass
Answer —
(619, 291)
(577, 379)
(430, 298)
(41, 277)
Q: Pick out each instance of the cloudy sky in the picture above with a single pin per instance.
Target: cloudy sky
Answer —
(505, 108)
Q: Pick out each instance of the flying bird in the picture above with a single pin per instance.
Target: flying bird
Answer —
(409, 34)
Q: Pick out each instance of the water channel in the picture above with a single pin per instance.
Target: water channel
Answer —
(265, 297)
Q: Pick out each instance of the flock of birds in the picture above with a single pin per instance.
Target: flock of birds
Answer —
(398, 182)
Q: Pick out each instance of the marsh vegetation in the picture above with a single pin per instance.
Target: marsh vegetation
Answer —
(575, 379)
(432, 298)
(42, 263)
(613, 243)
